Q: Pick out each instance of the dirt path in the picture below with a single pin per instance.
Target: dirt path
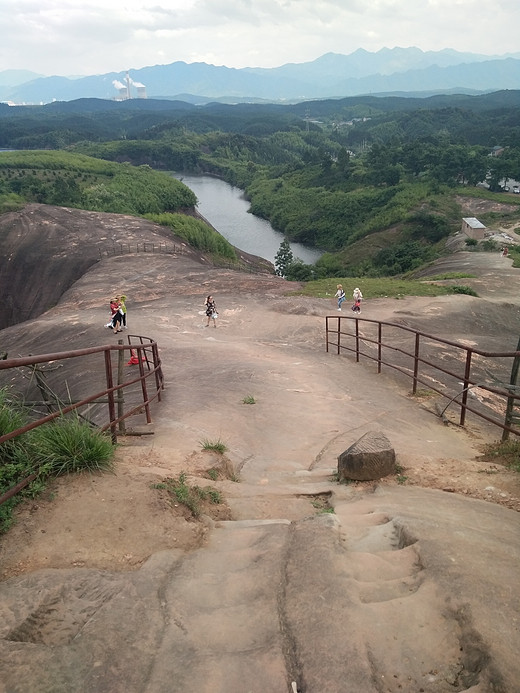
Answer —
(268, 346)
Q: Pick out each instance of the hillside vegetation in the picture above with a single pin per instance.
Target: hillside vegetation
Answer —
(377, 192)
(74, 180)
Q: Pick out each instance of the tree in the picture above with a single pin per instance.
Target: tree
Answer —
(283, 258)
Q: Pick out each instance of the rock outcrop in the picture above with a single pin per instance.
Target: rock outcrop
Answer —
(371, 457)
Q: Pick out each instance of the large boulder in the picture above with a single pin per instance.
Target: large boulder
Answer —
(370, 457)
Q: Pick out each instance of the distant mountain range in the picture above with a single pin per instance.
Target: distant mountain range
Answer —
(388, 71)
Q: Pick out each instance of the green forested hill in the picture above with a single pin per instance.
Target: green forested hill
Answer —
(331, 174)
(63, 178)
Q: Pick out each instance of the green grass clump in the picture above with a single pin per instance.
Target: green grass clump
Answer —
(249, 400)
(462, 289)
(506, 452)
(67, 445)
(189, 496)
(215, 445)
(451, 275)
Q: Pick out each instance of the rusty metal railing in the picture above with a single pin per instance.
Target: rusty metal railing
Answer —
(108, 369)
(452, 370)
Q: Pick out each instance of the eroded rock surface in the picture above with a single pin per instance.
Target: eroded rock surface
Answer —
(400, 588)
(369, 458)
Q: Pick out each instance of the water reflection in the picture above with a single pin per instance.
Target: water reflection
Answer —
(225, 207)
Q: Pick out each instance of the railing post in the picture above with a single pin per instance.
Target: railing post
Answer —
(339, 333)
(415, 364)
(379, 346)
(511, 400)
(357, 340)
(139, 351)
(327, 334)
(120, 393)
(159, 379)
(467, 372)
(110, 395)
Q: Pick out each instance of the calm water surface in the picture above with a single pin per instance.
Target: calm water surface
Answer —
(227, 210)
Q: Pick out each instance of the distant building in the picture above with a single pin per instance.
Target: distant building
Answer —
(473, 228)
(124, 91)
(496, 151)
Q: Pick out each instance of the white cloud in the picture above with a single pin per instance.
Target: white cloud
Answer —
(95, 36)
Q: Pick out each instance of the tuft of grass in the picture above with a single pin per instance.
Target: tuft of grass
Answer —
(321, 504)
(423, 393)
(189, 496)
(215, 445)
(462, 289)
(66, 446)
(249, 400)
(451, 275)
(506, 453)
(400, 477)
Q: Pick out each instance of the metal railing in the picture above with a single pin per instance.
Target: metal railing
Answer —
(452, 370)
(118, 397)
(145, 247)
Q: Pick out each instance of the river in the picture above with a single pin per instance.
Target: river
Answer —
(226, 209)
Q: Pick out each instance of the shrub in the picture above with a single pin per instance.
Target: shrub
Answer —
(198, 234)
(458, 289)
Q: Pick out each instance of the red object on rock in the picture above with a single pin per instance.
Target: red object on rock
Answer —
(134, 359)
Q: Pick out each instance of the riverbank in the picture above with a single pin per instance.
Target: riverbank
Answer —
(226, 209)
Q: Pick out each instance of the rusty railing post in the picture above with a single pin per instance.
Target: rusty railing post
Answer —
(327, 334)
(379, 346)
(415, 364)
(467, 373)
(120, 392)
(159, 379)
(511, 400)
(110, 395)
(139, 351)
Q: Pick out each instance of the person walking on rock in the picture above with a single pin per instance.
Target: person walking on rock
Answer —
(340, 295)
(117, 315)
(358, 297)
(211, 310)
(122, 308)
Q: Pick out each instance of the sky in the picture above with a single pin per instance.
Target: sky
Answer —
(87, 37)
